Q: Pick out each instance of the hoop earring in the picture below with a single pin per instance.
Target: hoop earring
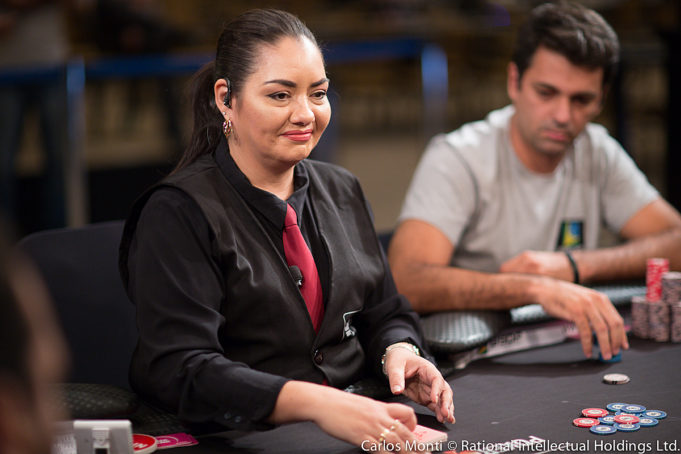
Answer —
(227, 128)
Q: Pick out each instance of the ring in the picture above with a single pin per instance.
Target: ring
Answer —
(381, 438)
(392, 427)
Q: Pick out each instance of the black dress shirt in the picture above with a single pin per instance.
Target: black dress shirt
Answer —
(182, 271)
(271, 211)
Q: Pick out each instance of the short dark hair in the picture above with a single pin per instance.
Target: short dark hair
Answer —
(578, 33)
(14, 332)
(235, 56)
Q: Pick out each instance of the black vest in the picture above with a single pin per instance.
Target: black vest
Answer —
(267, 325)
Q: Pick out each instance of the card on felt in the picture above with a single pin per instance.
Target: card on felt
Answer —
(427, 435)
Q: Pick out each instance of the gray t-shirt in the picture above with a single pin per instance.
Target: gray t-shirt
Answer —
(472, 187)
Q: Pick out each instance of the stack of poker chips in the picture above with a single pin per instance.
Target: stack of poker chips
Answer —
(639, 317)
(619, 417)
(657, 316)
(671, 295)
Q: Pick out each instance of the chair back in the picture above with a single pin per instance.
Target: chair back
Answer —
(80, 267)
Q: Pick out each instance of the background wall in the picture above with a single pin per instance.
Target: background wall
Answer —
(134, 129)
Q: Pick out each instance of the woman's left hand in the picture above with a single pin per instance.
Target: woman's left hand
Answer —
(418, 379)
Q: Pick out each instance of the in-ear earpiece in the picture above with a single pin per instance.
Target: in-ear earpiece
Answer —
(227, 101)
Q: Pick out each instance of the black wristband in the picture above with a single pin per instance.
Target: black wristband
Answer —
(573, 264)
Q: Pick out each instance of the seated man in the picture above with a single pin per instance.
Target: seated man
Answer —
(507, 211)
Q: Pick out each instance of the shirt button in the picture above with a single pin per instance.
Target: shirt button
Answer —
(318, 357)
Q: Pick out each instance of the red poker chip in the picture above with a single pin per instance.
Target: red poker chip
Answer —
(585, 422)
(655, 268)
(594, 412)
(625, 418)
(144, 444)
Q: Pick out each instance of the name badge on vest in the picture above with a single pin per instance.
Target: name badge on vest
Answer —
(348, 329)
(571, 235)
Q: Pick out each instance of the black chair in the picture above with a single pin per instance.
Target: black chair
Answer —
(80, 268)
(384, 238)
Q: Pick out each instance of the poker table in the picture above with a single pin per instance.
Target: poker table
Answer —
(531, 395)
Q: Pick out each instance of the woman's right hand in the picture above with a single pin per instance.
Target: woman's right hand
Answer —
(370, 424)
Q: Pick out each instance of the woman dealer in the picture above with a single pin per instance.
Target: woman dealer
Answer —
(257, 274)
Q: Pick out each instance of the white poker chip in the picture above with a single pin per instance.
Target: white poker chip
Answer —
(615, 379)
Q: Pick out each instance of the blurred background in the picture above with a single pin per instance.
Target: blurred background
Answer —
(115, 74)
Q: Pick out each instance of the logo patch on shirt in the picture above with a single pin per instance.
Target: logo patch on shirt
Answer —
(571, 235)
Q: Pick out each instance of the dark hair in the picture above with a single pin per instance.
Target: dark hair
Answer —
(578, 33)
(14, 333)
(237, 48)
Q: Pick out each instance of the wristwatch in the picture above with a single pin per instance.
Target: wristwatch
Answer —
(405, 345)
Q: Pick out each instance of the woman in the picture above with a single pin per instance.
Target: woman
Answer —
(242, 320)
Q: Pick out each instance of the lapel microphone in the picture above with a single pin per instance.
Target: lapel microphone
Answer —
(297, 275)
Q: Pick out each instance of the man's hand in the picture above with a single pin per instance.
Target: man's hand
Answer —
(552, 264)
(591, 311)
(419, 380)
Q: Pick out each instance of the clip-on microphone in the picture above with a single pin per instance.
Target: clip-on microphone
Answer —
(297, 275)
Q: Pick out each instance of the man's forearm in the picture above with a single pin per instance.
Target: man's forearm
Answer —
(432, 288)
(628, 261)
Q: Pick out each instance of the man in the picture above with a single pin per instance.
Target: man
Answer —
(32, 357)
(507, 211)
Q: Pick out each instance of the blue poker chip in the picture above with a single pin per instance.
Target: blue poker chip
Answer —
(655, 414)
(627, 427)
(648, 422)
(609, 420)
(602, 429)
(633, 409)
(616, 406)
(614, 359)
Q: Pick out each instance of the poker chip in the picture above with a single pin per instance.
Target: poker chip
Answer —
(627, 427)
(655, 268)
(639, 317)
(615, 406)
(648, 422)
(659, 321)
(655, 414)
(608, 420)
(614, 359)
(594, 412)
(633, 409)
(144, 444)
(603, 430)
(626, 418)
(616, 379)
(585, 422)
(671, 287)
(675, 328)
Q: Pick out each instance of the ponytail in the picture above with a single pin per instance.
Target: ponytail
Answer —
(207, 126)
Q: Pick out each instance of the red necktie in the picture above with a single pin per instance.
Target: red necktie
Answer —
(298, 254)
